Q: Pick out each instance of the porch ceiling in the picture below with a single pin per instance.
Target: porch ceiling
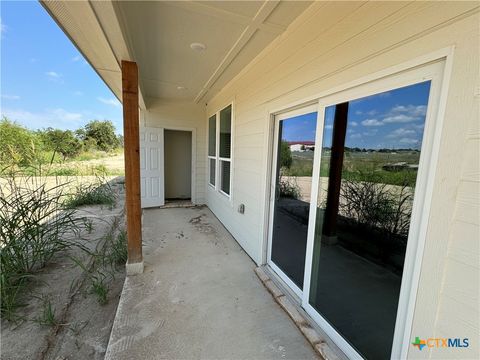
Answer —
(234, 32)
(157, 35)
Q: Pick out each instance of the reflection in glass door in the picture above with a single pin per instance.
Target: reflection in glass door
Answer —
(292, 180)
(370, 155)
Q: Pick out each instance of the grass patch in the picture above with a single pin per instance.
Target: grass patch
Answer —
(48, 314)
(100, 289)
(98, 193)
(119, 251)
(358, 162)
(82, 170)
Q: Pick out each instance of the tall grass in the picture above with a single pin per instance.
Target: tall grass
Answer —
(105, 260)
(35, 225)
(98, 193)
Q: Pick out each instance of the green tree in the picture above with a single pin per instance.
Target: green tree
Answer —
(285, 155)
(61, 141)
(120, 140)
(103, 132)
(80, 134)
(18, 144)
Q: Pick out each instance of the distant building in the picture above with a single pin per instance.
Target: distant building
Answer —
(301, 145)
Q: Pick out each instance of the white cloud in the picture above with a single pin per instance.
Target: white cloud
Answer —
(371, 122)
(405, 114)
(358, 112)
(55, 77)
(371, 132)
(3, 27)
(411, 110)
(53, 74)
(355, 136)
(76, 58)
(68, 116)
(353, 123)
(328, 127)
(409, 141)
(401, 132)
(10, 97)
(58, 118)
(112, 101)
(78, 93)
(401, 118)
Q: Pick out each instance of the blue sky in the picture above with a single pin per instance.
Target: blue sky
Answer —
(393, 119)
(45, 81)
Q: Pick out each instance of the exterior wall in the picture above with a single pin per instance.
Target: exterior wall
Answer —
(334, 43)
(182, 116)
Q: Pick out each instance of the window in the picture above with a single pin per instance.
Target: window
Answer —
(219, 149)
(212, 147)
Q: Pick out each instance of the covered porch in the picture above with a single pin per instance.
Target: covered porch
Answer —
(199, 298)
(227, 75)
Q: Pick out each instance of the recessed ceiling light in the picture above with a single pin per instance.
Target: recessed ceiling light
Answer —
(198, 46)
(181, 88)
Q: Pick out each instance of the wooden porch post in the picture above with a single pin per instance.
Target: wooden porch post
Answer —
(335, 175)
(132, 166)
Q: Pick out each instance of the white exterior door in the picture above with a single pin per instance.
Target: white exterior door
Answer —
(151, 167)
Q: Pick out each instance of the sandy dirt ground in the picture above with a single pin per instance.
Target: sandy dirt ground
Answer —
(82, 326)
(114, 163)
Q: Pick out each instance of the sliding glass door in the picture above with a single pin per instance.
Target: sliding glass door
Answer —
(354, 231)
(370, 157)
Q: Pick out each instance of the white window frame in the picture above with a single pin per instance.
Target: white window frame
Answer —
(214, 157)
(217, 157)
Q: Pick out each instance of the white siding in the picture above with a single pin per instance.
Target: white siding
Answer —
(182, 116)
(331, 44)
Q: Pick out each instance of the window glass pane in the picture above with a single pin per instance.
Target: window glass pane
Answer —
(212, 135)
(212, 171)
(370, 156)
(225, 176)
(225, 131)
(296, 148)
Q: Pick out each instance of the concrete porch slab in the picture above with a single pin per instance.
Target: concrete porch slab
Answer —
(199, 298)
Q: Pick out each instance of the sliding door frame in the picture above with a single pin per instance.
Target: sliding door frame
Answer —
(433, 73)
(411, 72)
(306, 109)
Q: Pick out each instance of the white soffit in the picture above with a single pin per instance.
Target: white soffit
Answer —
(159, 35)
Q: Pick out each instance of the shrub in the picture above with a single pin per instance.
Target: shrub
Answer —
(285, 155)
(18, 144)
(373, 204)
(289, 189)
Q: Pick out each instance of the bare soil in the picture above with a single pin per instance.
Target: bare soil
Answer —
(82, 325)
(114, 163)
